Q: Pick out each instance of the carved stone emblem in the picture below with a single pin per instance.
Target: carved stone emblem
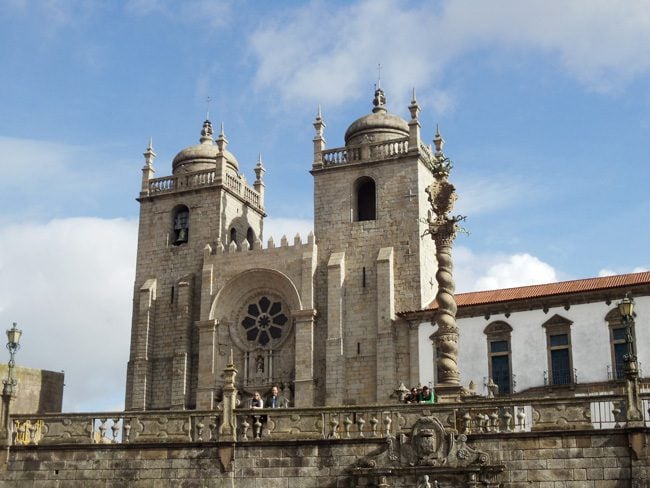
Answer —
(428, 441)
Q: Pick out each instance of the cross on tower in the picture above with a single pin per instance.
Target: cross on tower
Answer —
(379, 75)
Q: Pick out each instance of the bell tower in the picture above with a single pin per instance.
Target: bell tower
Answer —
(205, 201)
(370, 207)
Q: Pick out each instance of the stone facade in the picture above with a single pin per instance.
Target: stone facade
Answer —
(316, 318)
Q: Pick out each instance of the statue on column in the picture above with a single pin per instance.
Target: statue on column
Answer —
(443, 228)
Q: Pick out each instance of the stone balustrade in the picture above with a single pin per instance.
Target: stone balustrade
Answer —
(198, 179)
(473, 416)
(365, 152)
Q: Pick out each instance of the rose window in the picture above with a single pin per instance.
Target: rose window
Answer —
(264, 321)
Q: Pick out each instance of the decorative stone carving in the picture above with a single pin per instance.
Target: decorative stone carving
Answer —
(428, 456)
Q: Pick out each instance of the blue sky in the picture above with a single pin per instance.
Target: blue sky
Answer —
(545, 108)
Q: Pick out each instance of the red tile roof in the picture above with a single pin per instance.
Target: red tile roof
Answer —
(549, 289)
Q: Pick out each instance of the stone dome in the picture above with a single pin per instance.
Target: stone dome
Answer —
(380, 125)
(202, 156)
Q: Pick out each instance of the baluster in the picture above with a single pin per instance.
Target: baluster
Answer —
(373, 425)
(258, 427)
(127, 431)
(347, 423)
(102, 429)
(213, 425)
(507, 417)
(616, 412)
(387, 424)
(32, 433)
(521, 419)
(199, 430)
(334, 425)
(244, 427)
(116, 429)
(494, 421)
(360, 422)
(480, 421)
(467, 419)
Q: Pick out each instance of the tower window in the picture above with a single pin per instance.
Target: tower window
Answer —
(181, 225)
(365, 199)
(233, 235)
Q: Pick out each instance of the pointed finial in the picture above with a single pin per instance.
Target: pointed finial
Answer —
(414, 108)
(438, 142)
(379, 76)
(231, 361)
(222, 142)
(379, 101)
(149, 155)
(318, 114)
(206, 132)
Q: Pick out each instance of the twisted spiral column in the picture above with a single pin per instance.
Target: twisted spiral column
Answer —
(445, 318)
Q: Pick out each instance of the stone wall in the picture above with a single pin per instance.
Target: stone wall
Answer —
(552, 460)
(37, 391)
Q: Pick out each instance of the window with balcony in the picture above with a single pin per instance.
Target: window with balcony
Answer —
(499, 355)
(558, 346)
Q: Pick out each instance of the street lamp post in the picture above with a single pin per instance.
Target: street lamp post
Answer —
(633, 410)
(8, 390)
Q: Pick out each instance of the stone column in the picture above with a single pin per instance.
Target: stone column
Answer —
(304, 358)
(182, 350)
(207, 350)
(335, 360)
(386, 380)
(443, 228)
(138, 392)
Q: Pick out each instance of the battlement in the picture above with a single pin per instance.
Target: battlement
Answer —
(298, 245)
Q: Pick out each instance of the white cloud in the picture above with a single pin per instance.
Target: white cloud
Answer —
(68, 284)
(476, 272)
(314, 53)
(608, 272)
(278, 227)
(42, 178)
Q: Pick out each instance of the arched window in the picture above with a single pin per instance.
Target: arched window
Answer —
(233, 235)
(365, 199)
(250, 237)
(499, 352)
(181, 225)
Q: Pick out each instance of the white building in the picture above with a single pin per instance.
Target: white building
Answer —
(554, 335)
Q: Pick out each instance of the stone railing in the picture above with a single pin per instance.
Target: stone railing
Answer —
(200, 179)
(336, 422)
(365, 152)
(115, 428)
(473, 416)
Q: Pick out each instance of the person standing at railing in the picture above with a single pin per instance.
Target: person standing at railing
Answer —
(256, 401)
(275, 400)
(427, 395)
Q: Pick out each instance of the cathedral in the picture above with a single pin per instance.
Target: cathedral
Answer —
(314, 315)
(340, 322)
